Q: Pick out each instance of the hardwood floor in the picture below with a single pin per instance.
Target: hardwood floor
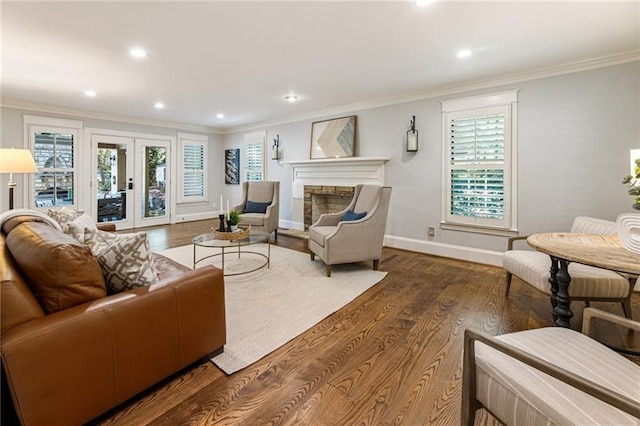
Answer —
(392, 356)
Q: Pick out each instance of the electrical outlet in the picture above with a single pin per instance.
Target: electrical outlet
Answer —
(432, 231)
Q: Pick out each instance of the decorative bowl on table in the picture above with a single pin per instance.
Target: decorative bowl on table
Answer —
(629, 231)
(239, 234)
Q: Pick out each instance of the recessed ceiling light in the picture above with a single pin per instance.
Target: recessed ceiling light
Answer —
(291, 98)
(422, 3)
(159, 105)
(219, 115)
(138, 52)
(464, 53)
(90, 93)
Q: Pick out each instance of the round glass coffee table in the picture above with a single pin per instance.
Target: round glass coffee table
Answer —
(228, 247)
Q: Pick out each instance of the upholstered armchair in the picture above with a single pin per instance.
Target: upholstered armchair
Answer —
(344, 237)
(550, 375)
(588, 283)
(260, 206)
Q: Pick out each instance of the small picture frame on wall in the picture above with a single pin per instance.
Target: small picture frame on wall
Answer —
(232, 166)
(333, 138)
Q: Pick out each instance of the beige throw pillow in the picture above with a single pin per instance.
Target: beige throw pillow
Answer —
(125, 259)
(64, 215)
(77, 227)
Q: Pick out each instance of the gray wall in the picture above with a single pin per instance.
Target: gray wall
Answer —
(574, 136)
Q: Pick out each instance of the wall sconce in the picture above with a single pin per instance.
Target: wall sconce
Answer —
(412, 137)
(275, 154)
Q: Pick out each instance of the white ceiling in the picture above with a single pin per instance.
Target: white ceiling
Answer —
(241, 58)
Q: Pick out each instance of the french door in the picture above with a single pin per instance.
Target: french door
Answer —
(131, 181)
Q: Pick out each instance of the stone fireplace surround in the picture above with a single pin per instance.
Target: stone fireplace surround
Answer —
(331, 172)
(320, 199)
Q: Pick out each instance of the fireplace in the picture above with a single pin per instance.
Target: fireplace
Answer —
(321, 199)
(335, 173)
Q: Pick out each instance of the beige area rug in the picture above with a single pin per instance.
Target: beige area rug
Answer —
(269, 307)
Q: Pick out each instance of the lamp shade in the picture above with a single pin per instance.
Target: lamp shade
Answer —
(14, 160)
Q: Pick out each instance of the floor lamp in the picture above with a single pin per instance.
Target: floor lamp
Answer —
(16, 161)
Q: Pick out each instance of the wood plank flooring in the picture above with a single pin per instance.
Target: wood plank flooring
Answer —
(392, 356)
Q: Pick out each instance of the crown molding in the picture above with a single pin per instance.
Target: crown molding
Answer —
(74, 112)
(585, 64)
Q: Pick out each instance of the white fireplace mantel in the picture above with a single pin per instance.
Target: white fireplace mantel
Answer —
(349, 171)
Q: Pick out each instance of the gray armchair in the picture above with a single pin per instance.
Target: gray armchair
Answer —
(260, 206)
(337, 241)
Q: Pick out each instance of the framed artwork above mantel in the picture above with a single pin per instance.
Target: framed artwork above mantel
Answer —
(333, 138)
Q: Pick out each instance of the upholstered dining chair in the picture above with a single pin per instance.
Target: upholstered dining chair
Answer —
(260, 206)
(354, 234)
(550, 375)
(588, 283)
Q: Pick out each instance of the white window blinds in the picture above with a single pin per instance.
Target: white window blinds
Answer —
(254, 158)
(479, 161)
(193, 161)
(477, 166)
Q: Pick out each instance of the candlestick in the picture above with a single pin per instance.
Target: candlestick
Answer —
(221, 206)
(227, 209)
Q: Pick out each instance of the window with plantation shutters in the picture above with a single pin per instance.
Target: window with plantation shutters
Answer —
(56, 145)
(479, 161)
(192, 152)
(254, 157)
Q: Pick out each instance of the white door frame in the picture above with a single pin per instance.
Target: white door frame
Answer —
(143, 139)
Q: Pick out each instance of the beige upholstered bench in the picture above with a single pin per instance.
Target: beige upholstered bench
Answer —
(560, 377)
(588, 283)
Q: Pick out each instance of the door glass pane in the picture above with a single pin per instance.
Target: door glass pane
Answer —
(54, 182)
(155, 181)
(112, 179)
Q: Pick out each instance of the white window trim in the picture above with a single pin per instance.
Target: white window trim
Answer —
(192, 139)
(31, 123)
(510, 100)
(251, 139)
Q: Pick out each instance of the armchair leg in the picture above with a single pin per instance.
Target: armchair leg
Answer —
(329, 271)
(313, 256)
(507, 284)
(375, 264)
(275, 234)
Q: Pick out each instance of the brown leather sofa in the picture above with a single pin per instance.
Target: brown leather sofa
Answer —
(69, 366)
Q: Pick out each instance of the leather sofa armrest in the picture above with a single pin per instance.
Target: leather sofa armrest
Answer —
(106, 226)
(87, 359)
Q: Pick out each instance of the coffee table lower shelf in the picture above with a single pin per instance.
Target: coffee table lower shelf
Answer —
(227, 252)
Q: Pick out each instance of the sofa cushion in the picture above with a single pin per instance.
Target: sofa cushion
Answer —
(256, 207)
(60, 271)
(125, 259)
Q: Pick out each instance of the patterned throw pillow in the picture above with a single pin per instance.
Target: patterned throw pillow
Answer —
(76, 228)
(64, 215)
(125, 259)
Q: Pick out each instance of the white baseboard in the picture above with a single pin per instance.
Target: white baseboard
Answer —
(190, 217)
(289, 224)
(488, 257)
